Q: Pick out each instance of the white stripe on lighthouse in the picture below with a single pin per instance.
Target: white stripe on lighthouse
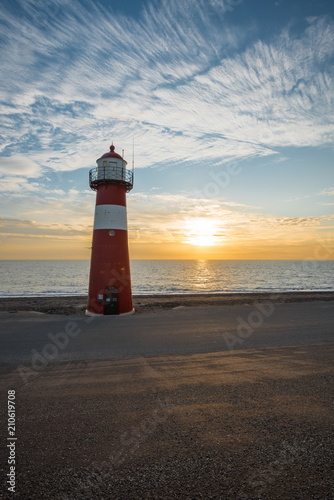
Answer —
(110, 217)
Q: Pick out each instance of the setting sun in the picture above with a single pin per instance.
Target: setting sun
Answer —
(202, 232)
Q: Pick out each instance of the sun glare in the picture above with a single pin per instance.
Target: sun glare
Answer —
(202, 232)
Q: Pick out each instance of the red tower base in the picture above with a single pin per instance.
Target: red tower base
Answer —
(110, 280)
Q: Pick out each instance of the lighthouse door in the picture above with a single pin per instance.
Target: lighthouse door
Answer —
(111, 301)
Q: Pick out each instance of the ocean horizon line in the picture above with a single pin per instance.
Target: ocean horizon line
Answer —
(176, 260)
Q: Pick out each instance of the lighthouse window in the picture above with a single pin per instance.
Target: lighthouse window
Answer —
(104, 163)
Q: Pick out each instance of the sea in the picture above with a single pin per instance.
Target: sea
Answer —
(45, 278)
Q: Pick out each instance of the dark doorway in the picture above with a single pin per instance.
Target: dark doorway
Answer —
(111, 300)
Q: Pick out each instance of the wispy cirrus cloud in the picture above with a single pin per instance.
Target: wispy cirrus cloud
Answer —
(327, 192)
(172, 79)
(17, 185)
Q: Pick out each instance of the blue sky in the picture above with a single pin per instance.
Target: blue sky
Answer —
(230, 105)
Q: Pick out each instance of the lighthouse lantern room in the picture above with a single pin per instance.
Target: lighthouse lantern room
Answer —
(110, 280)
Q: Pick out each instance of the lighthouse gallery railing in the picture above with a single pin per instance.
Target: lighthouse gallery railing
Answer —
(106, 174)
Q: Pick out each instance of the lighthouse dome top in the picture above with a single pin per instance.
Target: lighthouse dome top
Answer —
(111, 154)
(111, 169)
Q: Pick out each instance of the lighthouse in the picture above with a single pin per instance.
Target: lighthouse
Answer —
(110, 280)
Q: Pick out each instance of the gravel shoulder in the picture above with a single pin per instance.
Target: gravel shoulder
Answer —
(253, 424)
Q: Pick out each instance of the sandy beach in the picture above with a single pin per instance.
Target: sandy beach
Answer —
(146, 303)
(203, 421)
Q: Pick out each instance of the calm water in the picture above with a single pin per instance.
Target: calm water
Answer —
(69, 277)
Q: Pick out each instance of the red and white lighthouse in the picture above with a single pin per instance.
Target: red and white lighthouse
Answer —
(110, 280)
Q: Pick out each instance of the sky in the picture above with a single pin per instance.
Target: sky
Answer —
(229, 104)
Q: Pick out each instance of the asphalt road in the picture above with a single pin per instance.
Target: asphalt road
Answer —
(29, 337)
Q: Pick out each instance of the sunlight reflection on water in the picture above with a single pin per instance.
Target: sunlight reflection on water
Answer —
(68, 277)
